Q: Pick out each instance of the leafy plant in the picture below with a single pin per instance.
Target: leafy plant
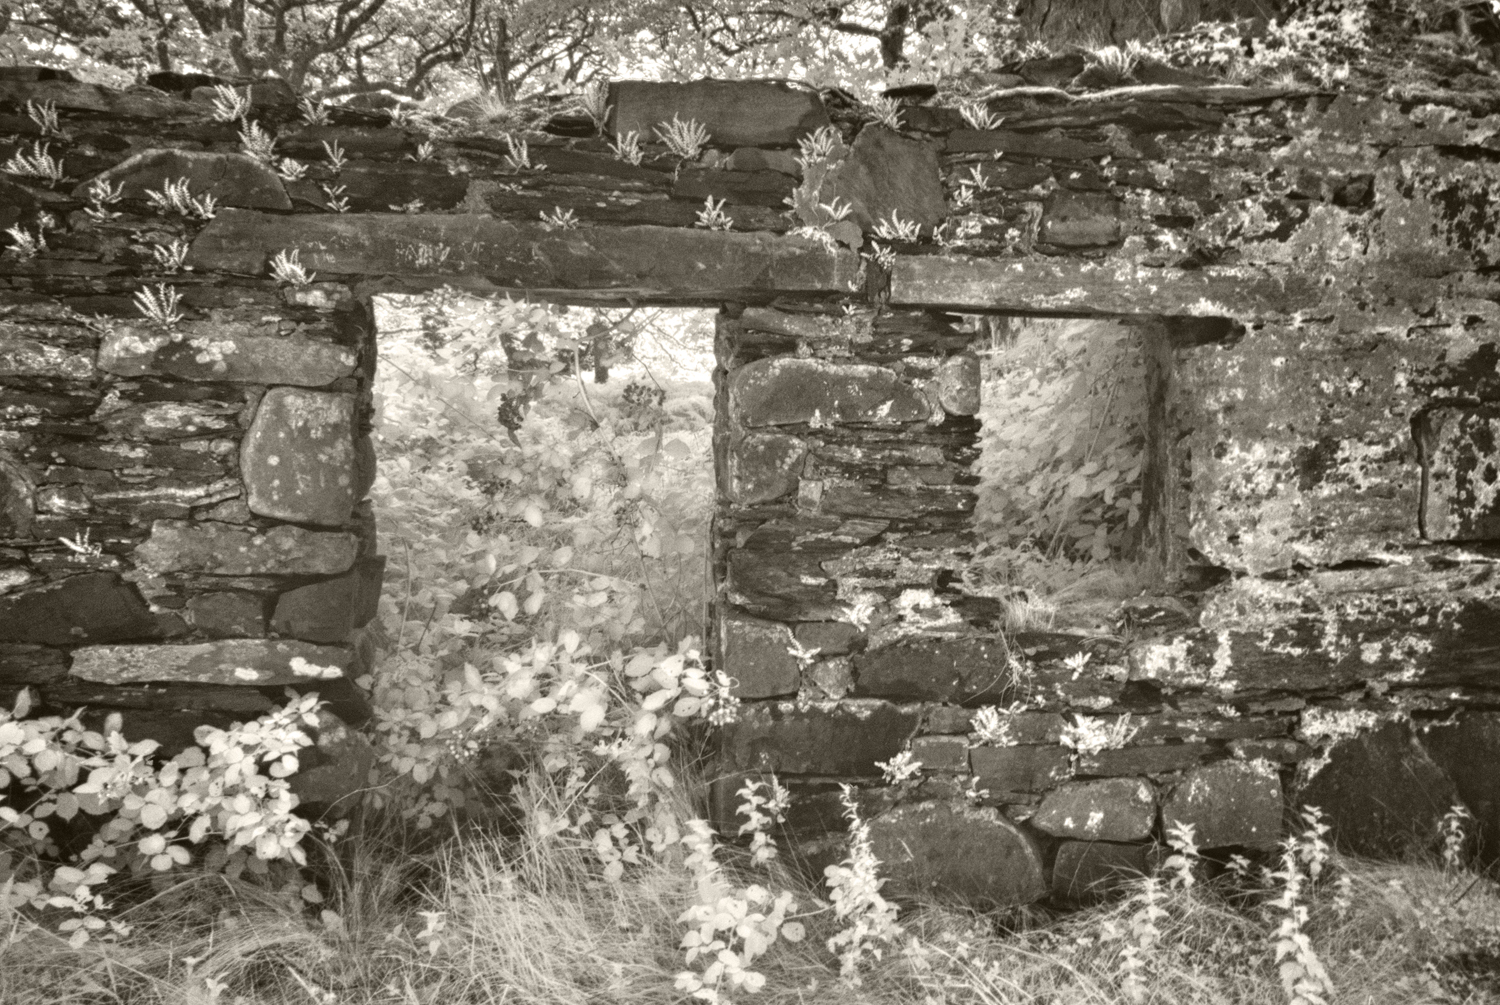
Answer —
(686, 140)
(519, 158)
(594, 101)
(868, 920)
(286, 267)
(335, 154)
(175, 197)
(627, 148)
(335, 198)
(887, 112)
(24, 244)
(44, 115)
(288, 169)
(230, 104)
(314, 113)
(39, 164)
(160, 307)
(170, 257)
(559, 219)
(713, 217)
(257, 143)
(978, 115)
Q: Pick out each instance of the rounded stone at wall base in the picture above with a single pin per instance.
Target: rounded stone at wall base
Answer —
(971, 855)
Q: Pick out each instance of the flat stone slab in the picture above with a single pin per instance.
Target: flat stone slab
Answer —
(1028, 768)
(1147, 760)
(225, 550)
(1114, 809)
(844, 738)
(1089, 870)
(329, 611)
(1228, 803)
(164, 421)
(948, 670)
(885, 174)
(93, 607)
(975, 856)
(297, 458)
(757, 655)
(248, 662)
(785, 390)
(228, 614)
(232, 179)
(683, 261)
(1100, 288)
(21, 356)
(764, 466)
(202, 351)
(750, 113)
(77, 96)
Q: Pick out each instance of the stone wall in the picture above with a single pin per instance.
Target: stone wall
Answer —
(183, 523)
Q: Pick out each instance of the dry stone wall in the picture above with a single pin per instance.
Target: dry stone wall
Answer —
(183, 505)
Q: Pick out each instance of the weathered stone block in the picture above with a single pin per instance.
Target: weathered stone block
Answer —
(93, 607)
(328, 611)
(787, 586)
(17, 503)
(161, 421)
(1381, 792)
(297, 459)
(887, 174)
(891, 502)
(1302, 448)
(703, 263)
(750, 113)
(759, 159)
(942, 753)
(757, 655)
(958, 383)
(1228, 803)
(829, 638)
(232, 179)
(1468, 751)
(1153, 760)
(975, 856)
(22, 665)
(1025, 144)
(1115, 809)
(228, 614)
(1005, 770)
(1085, 871)
(788, 391)
(1073, 219)
(381, 187)
(947, 670)
(1463, 483)
(846, 738)
(21, 356)
(252, 662)
(1276, 751)
(336, 769)
(763, 467)
(206, 354)
(227, 550)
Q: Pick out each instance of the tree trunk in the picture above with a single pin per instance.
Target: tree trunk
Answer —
(1097, 23)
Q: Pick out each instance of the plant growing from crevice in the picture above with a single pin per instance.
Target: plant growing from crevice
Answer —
(685, 140)
(230, 104)
(286, 267)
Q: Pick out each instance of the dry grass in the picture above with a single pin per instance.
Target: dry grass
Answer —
(481, 917)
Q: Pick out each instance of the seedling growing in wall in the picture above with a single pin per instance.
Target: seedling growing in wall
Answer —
(713, 216)
(335, 155)
(686, 140)
(160, 306)
(290, 170)
(425, 152)
(45, 117)
(519, 158)
(314, 113)
(258, 144)
(415, 206)
(595, 104)
(286, 268)
(1115, 64)
(978, 116)
(82, 548)
(102, 194)
(559, 219)
(40, 164)
(26, 245)
(896, 229)
(887, 112)
(628, 148)
(170, 257)
(337, 201)
(176, 197)
(230, 104)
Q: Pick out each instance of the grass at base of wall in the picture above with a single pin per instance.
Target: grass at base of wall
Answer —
(481, 917)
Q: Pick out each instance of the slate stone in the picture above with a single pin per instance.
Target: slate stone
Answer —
(760, 159)
(383, 187)
(336, 769)
(297, 459)
(164, 421)
(243, 702)
(786, 391)
(786, 586)
(893, 502)
(1228, 803)
(77, 96)
(763, 467)
(228, 614)
(942, 753)
(948, 670)
(1023, 144)
(365, 466)
(844, 738)
(1382, 794)
(1463, 483)
(329, 611)
(749, 113)
(228, 550)
(1073, 219)
(884, 174)
(829, 638)
(684, 261)
(970, 855)
(734, 188)
(757, 655)
(1275, 751)
(1114, 809)
(21, 356)
(1087, 871)
(958, 380)
(1004, 174)
(93, 607)
(209, 355)
(1020, 769)
(17, 501)
(1467, 749)
(232, 179)
(1146, 760)
(241, 662)
(22, 665)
